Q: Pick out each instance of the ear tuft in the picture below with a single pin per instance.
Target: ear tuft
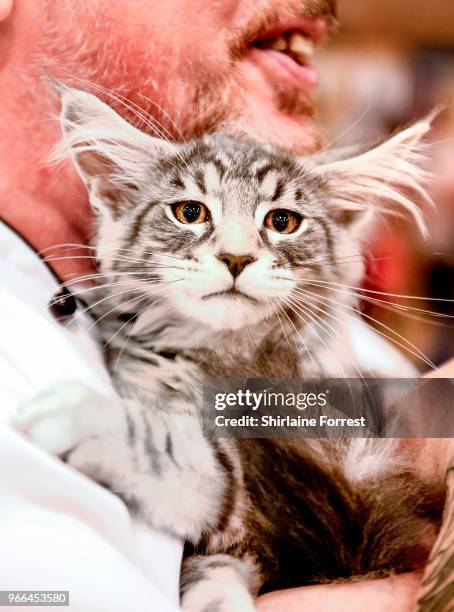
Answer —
(110, 154)
(388, 178)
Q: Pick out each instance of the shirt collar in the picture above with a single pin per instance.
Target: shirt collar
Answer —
(32, 275)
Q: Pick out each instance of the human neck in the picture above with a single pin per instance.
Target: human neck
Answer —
(47, 206)
(43, 222)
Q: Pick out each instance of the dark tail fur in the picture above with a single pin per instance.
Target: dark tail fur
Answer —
(308, 524)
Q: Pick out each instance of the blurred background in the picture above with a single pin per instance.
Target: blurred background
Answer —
(391, 62)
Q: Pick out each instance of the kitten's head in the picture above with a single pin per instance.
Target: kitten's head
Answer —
(224, 231)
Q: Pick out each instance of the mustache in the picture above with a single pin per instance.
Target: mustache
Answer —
(241, 39)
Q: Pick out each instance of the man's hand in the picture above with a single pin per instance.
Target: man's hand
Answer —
(393, 594)
(437, 594)
(438, 583)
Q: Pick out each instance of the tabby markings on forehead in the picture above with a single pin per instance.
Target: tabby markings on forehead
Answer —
(272, 183)
(269, 184)
(199, 153)
(212, 177)
(177, 182)
(220, 166)
(279, 190)
(199, 178)
(206, 176)
(260, 173)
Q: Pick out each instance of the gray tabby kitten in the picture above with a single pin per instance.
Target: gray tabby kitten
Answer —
(205, 248)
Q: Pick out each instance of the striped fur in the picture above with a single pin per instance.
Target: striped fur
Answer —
(257, 515)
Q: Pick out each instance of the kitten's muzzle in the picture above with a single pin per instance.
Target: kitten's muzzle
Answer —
(236, 263)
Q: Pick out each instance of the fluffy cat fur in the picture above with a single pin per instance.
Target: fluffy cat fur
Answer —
(258, 514)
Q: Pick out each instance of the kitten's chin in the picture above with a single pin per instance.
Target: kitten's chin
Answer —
(223, 313)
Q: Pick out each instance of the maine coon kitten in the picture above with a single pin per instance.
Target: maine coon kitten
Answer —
(205, 248)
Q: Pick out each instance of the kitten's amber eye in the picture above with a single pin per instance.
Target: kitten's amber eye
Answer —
(190, 212)
(283, 221)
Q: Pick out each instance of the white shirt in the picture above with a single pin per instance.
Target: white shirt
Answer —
(59, 530)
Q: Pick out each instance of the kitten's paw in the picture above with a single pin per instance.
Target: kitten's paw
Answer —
(63, 417)
(217, 583)
(214, 598)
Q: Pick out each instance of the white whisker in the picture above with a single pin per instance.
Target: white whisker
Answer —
(117, 360)
(118, 306)
(413, 350)
(309, 306)
(317, 367)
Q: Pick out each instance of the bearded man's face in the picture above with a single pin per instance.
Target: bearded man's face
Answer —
(243, 66)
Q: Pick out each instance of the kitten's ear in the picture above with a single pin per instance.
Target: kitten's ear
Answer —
(388, 178)
(110, 154)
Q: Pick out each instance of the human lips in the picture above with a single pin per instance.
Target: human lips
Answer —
(283, 54)
(281, 69)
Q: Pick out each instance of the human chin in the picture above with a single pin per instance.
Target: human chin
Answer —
(223, 311)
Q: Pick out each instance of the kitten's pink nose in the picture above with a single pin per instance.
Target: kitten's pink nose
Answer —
(236, 263)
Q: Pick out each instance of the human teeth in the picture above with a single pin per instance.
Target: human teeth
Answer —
(300, 45)
(279, 44)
